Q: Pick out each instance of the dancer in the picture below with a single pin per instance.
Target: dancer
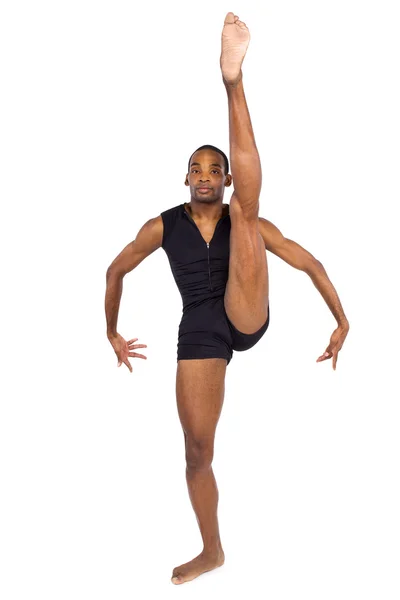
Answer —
(217, 255)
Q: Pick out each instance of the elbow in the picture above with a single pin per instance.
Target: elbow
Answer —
(318, 264)
(112, 273)
(314, 267)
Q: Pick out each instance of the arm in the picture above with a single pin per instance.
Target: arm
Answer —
(301, 259)
(147, 241)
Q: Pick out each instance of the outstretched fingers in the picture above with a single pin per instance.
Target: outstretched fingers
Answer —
(137, 355)
(329, 353)
(127, 363)
(324, 356)
(127, 352)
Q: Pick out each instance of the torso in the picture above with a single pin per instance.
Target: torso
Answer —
(198, 253)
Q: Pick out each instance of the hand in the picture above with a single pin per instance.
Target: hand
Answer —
(124, 349)
(336, 342)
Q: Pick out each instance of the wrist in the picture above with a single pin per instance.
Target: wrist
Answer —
(111, 333)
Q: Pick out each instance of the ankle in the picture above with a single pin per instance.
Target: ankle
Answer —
(213, 551)
(233, 83)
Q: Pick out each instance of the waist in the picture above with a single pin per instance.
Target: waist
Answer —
(192, 301)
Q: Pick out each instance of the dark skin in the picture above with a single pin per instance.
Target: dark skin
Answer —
(200, 386)
(200, 382)
(206, 210)
(207, 168)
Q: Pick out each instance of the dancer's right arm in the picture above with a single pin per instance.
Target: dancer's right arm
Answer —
(148, 239)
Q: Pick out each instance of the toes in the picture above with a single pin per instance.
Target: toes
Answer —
(230, 18)
(233, 20)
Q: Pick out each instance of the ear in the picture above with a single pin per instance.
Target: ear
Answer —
(186, 181)
(228, 180)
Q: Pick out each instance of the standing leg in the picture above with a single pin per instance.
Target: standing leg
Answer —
(247, 289)
(200, 388)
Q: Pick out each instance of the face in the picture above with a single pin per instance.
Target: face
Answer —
(207, 169)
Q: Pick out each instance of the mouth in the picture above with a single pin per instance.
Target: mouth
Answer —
(203, 189)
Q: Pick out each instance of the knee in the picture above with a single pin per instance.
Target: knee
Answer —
(199, 453)
(244, 209)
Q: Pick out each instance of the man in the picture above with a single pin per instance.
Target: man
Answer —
(217, 255)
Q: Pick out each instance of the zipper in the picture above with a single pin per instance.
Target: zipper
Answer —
(207, 243)
(209, 269)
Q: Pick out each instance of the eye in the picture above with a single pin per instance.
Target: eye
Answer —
(213, 171)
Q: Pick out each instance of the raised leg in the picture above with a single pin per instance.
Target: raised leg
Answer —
(200, 388)
(247, 289)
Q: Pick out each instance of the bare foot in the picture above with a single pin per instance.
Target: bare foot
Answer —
(197, 566)
(235, 39)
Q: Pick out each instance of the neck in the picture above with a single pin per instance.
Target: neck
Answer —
(212, 211)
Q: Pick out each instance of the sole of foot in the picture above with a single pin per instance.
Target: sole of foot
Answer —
(235, 40)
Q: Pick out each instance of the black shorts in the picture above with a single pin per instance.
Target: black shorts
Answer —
(206, 332)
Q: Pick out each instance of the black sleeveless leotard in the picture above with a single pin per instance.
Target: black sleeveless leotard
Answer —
(201, 271)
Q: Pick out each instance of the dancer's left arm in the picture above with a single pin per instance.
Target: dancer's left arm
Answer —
(299, 258)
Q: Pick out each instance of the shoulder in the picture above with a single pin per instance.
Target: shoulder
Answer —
(175, 210)
(169, 218)
(150, 235)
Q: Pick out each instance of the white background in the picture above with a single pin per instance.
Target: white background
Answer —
(102, 104)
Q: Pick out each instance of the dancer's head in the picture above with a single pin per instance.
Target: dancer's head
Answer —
(208, 166)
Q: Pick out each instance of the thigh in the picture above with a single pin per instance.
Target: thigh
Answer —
(200, 390)
(204, 332)
(247, 289)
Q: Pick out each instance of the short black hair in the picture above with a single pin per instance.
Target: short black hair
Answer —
(209, 146)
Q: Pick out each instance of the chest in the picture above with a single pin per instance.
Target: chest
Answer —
(206, 231)
(194, 245)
